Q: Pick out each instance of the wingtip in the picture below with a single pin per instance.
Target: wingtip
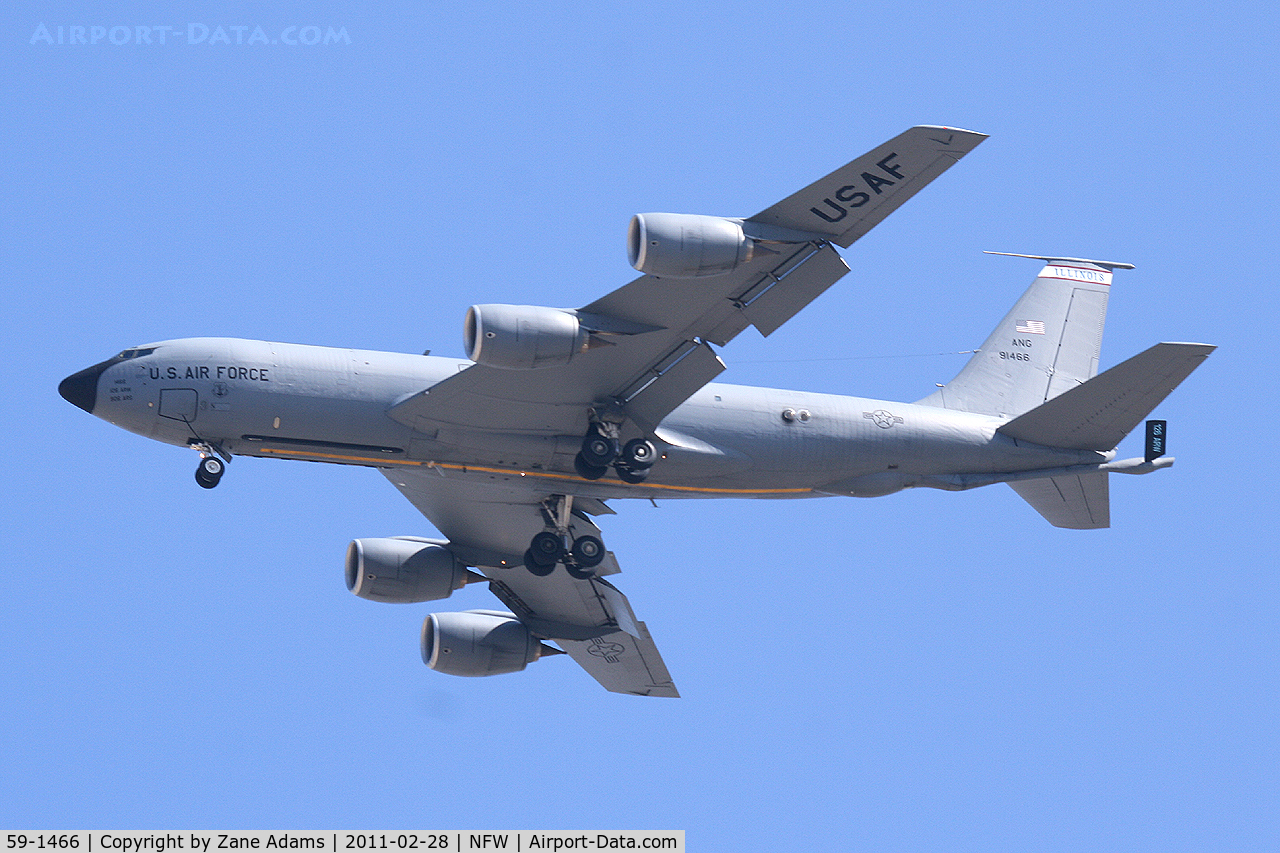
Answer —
(975, 136)
(1205, 349)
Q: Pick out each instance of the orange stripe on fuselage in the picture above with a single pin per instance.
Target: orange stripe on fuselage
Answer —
(465, 469)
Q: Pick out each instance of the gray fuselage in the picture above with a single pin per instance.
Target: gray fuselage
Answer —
(258, 398)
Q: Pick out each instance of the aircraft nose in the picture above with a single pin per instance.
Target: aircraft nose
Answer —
(81, 389)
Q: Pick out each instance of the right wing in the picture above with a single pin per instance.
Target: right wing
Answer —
(660, 330)
(489, 526)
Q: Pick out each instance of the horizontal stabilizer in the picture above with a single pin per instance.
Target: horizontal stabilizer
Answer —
(1075, 501)
(1107, 265)
(1097, 414)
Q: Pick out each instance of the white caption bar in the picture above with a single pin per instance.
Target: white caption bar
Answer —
(345, 841)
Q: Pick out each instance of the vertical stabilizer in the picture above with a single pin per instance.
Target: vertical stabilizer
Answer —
(1049, 343)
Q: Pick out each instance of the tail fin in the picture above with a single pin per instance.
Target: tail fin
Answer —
(1095, 416)
(1049, 343)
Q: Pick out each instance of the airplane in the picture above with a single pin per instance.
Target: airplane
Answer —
(514, 454)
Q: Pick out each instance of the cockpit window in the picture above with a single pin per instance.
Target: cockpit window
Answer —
(136, 352)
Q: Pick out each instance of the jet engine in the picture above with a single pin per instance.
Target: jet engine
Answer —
(522, 337)
(477, 642)
(681, 245)
(403, 570)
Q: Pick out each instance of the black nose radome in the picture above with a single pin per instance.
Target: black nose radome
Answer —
(81, 389)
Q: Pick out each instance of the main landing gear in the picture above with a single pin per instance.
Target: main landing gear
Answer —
(602, 448)
(580, 555)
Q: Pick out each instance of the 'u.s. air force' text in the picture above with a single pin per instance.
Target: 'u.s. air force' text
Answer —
(205, 371)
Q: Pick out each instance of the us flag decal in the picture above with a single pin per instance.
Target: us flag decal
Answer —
(1030, 327)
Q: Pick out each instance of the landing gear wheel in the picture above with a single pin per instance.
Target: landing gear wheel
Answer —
(631, 475)
(599, 450)
(535, 567)
(547, 549)
(587, 551)
(580, 572)
(586, 470)
(638, 454)
(210, 471)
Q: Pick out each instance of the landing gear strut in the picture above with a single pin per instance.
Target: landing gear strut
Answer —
(580, 556)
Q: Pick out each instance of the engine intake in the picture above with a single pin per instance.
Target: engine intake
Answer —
(681, 245)
(477, 643)
(522, 337)
(403, 570)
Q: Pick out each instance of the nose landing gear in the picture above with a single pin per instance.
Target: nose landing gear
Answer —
(209, 472)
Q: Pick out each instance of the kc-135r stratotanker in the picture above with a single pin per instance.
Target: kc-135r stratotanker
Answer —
(514, 454)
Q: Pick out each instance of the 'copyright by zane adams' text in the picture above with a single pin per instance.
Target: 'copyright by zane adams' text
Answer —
(237, 34)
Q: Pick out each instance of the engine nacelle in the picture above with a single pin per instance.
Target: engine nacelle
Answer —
(680, 245)
(403, 570)
(522, 337)
(477, 642)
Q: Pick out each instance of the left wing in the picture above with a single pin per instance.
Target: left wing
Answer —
(657, 331)
(662, 358)
(489, 527)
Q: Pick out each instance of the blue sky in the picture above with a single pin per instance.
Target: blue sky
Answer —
(921, 671)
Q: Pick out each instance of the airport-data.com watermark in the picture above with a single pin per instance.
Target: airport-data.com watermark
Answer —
(197, 34)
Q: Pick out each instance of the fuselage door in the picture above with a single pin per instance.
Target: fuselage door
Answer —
(180, 404)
